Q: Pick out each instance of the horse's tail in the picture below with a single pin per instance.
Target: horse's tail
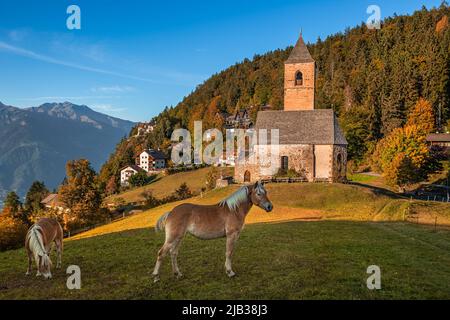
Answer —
(161, 224)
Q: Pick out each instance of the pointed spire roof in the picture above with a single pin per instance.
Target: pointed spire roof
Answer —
(300, 53)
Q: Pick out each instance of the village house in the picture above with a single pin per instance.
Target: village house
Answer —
(239, 120)
(127, 172)
(439, 139)
(144, 128)
(151, 161)
(52, 202)
(311, 142)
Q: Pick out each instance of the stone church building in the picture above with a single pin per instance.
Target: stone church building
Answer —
(310, 140)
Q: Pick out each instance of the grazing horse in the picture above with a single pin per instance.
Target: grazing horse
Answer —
(209, 222)
(38, 244)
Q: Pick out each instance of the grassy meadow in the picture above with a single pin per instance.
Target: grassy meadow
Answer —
(290, 260)
(316, 244)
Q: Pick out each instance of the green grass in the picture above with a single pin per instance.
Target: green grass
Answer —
(295, 260)
(361, 177)
(165, 186)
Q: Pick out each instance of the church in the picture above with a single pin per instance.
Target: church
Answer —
(311, 142)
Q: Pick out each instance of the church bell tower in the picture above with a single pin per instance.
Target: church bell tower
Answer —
(299, 79)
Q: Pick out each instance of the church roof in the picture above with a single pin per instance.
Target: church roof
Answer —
(300, 53)
(318, 126)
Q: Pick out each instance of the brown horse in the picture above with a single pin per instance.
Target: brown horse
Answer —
(38, 244)
(209, 222)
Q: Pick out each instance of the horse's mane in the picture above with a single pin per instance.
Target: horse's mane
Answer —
(236, 199)
(36, 243)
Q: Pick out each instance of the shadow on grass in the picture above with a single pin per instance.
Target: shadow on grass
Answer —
(378, 190)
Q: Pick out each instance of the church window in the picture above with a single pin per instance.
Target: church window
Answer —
(298, 79)
(284, 163)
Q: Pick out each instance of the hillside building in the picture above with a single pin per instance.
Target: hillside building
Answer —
(311, 142)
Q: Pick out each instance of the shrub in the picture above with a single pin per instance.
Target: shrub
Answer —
(12, 233)
(150, 200)
(141, 179)
(183, 192)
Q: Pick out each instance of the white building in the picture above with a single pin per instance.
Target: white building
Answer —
(152, 160)
(127, 172)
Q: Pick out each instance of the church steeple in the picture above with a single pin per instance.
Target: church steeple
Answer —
(300, 53)
(299, 78)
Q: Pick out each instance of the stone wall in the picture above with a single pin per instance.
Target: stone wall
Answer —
(301, 159)
(330, 160)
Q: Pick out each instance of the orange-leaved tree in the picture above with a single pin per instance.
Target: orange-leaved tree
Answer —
(403, 156)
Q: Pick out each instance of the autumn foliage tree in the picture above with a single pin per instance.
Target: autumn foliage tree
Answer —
(13, 223)
(404, 156)
(422, 116)
(81, 194)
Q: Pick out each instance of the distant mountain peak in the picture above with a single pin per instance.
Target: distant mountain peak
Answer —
(83, 113)
(36, 143)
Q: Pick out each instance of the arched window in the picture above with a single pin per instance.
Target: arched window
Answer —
(299, 78)
(247, 177)
(339, 163)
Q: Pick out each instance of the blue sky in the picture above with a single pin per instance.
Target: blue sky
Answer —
(132, 58)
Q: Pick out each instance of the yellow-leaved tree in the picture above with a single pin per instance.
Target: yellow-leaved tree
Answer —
(403, 156)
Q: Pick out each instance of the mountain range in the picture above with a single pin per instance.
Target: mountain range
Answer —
(36, 143)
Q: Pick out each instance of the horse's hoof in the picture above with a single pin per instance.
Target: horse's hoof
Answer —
(231, 274)
(178, 275)
(27, 273)
(38, 274)
(156, 279)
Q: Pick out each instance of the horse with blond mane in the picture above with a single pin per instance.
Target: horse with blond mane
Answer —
(38, 244)
(225, 219)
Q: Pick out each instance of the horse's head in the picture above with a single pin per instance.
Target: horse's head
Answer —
(45, 265)
(259, 197)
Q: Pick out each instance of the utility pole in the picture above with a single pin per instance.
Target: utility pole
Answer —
(440, 118)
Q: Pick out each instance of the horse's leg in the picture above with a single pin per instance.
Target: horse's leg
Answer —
(30, 262)
(38, 266)
(231, 242)
(161, 254)
(173, 256)
(59, 248)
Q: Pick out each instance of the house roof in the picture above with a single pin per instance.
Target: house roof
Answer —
(438, 137)
(52, 200)
(155, 154)
(303, 127)
(300, 53)
(132, 166)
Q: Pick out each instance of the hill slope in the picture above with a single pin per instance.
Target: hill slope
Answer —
(307, 202)
(36, 143)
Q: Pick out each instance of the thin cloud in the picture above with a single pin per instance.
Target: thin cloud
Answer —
(114, 89)
(66, 98)
(107, 108)
(36, 56)
(18, 34)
